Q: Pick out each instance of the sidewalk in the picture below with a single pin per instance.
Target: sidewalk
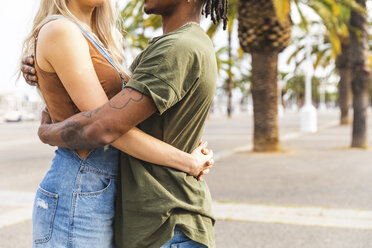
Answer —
(316, 170)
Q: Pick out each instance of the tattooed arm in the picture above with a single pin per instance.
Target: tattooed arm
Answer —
(101, 126)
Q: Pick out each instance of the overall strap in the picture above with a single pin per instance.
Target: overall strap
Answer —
(94, 42)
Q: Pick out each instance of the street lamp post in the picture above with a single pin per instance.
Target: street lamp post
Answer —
(308, 113)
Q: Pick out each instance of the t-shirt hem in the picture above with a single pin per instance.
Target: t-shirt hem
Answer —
(198, 236)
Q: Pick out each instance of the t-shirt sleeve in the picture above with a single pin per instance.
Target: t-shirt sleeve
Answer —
(134, 64)
(166, 72)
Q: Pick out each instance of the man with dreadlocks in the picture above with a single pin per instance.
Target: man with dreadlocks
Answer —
(169, 97)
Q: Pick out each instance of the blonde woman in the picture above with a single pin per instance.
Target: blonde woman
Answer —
(78, 60)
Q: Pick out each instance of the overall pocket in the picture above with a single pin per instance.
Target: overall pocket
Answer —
(45, 206)
(93, 208)
(92, 182)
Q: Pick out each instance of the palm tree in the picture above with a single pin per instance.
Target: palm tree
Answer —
(296, 88)
(229, 81)
(343, 65)
(361, 74)
(338, 37)
(337, 46)
(325, 54)
(231, 61)
(264, 32)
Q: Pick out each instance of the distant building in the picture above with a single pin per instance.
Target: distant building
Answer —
(26, 105)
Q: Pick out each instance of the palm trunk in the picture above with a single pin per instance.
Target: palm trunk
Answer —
(345, 96)
(265, 101)
(229, 99)
(230, 85)
(360, 76)
(344, 69)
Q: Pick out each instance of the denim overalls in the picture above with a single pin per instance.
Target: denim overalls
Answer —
(74, 204)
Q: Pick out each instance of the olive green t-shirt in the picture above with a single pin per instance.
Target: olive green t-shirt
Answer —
(178, 71)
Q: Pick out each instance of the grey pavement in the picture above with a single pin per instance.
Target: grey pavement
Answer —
(258, 235)
(314, 170)
(223, 133)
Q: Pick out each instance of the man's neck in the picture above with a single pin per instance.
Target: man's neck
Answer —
(179, 19)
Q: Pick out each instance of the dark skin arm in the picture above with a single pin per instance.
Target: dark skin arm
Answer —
(28, 70)
(102, 126)
(95, 128)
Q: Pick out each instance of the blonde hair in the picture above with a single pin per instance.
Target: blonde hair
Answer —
(105, 24)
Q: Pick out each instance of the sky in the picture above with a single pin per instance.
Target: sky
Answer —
(15, 22)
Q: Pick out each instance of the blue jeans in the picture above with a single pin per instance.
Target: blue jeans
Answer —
(180, 240)
(74, 205)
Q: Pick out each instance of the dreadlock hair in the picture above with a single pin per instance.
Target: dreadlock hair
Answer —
(217, 9)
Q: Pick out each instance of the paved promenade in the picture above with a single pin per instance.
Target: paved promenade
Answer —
(314, 194)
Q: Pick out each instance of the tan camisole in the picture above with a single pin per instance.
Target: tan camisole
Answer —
(59, 103)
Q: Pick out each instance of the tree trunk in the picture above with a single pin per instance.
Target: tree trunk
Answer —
(344, 69)
(229, 97)
(265, 101)
(360, 76)
(230, 82)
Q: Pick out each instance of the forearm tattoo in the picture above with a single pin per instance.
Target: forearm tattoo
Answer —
(117, 105)
(89, 114)
(73, 135)
(72, 132)
(121, 105)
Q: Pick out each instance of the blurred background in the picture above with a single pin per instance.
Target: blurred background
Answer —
(289, 124)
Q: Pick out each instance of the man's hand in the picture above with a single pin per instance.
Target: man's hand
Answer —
(28, 70)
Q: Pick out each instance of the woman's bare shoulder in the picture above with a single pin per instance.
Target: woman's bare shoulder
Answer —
(60, 42)
(60, 30)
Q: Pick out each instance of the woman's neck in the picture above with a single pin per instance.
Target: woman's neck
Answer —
(83, 13)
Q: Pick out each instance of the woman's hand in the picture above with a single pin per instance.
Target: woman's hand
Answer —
(203, 160)
(28, 70)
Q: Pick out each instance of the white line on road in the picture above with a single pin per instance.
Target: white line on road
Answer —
(21, 202)
(15, 216)
(16, 198)
(303, 216)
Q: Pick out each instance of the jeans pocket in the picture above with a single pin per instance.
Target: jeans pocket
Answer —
(94, 218)
(92, 182)
(45, 206)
